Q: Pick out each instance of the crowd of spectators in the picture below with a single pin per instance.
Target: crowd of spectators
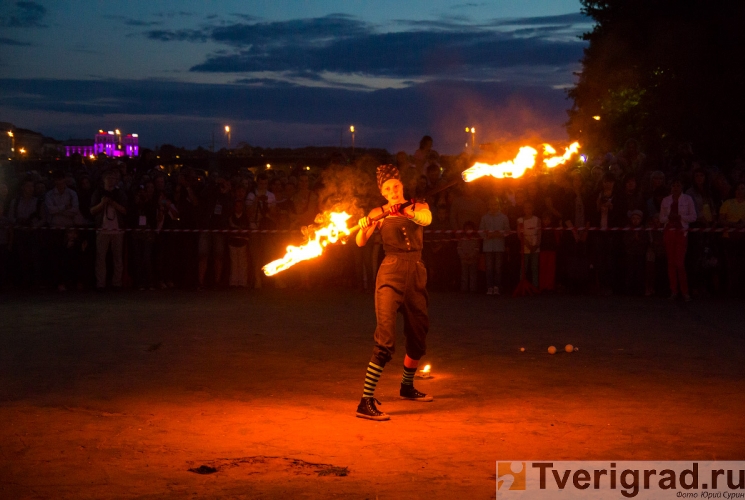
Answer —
(108, 226)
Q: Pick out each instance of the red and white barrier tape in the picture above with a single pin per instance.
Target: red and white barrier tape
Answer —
(460, 232)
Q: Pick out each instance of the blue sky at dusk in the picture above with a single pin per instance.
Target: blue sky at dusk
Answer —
(290, 72)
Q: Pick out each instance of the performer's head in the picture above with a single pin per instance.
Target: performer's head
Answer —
(389, 183)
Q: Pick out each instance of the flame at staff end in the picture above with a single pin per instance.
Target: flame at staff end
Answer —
(330, 233)
(524, 160)
(555, 161)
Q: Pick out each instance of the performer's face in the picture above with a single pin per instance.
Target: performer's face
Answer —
(393, 191)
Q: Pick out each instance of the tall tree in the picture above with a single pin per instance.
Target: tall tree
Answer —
(664, 72)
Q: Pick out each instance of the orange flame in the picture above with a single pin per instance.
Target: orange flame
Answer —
(330, 233)
(524, 160)
(555, 161)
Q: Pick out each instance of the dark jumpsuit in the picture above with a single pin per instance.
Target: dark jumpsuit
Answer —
(401, 286)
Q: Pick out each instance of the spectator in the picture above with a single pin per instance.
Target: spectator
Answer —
(468, 251)
(606, 243)
(636, 245)
(699, 244)
(630, 199)
(676, 213)
(63, 210)
(143, 218)
(215, 206)
(27, 211)
(167, 218)
(238, 246)
(529, 233)
(467, 206)
(305, 202)
(732, 217)
(440, 253)
(577, 210)
(550, 239)
(421, 155)
(5, 243)
(108, 206)
(494, 224)
(260, 204)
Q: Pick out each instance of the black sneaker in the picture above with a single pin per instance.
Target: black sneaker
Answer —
(408, 392)
(367, 409)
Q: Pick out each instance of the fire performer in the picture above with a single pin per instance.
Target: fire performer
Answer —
(400, 286)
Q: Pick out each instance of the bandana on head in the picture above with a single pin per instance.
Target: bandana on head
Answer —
(386, 173)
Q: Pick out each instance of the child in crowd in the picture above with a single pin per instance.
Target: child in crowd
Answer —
(494, 223)
(549, 245)
(468, 251)
(636, 244)
(529, 232)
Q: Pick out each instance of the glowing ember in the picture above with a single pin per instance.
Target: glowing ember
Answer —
(555, 161)
(426, 369)
(524, 160)
(330, 233)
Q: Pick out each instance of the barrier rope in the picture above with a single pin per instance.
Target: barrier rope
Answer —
(470, 233)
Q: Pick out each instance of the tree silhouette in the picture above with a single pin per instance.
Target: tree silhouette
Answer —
(664, 72)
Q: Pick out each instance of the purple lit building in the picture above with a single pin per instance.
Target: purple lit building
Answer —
(109, 143)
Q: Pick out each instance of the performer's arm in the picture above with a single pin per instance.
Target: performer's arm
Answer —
(419, 212)
(367, 227)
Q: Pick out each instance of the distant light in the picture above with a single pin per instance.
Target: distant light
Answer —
(117, 132)
(467, 130)
(268, 166)
(351, 128)
(22, 151)
(473, 130)
(596, 118)
(10, 133)
(100, 131)
(584, 158)
(227, 128)
(92, 157)
(135, 135)
(111, 132)
(307, 168)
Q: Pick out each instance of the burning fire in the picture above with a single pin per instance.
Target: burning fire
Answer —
(555, 161)
(524, 160)
(330, 233)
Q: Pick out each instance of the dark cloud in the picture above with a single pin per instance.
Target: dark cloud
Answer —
(387, 118)
(575, 18)
(129, 21)
(405, 54)
(468, 5)
(343, 44)
(22, 14)
(11, 41)
(184, 35)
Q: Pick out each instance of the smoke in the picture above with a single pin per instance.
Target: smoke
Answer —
(349, 188)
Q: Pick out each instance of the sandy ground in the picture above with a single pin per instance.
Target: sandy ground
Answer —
(117, 396)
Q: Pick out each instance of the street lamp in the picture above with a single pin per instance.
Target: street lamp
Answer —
(351, 129)
(227, 132)
(472, 131)
(12, 142)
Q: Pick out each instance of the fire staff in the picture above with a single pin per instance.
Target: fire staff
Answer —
(400, 286)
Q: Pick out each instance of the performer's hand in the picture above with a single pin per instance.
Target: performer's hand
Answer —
(397, 211)
(364, 222)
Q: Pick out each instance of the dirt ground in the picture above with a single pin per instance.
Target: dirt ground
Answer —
(119, 395)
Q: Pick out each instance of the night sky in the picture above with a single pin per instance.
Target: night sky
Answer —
(290, 73)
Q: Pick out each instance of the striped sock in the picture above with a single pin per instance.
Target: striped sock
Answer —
(408, 376)
(371, 379)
